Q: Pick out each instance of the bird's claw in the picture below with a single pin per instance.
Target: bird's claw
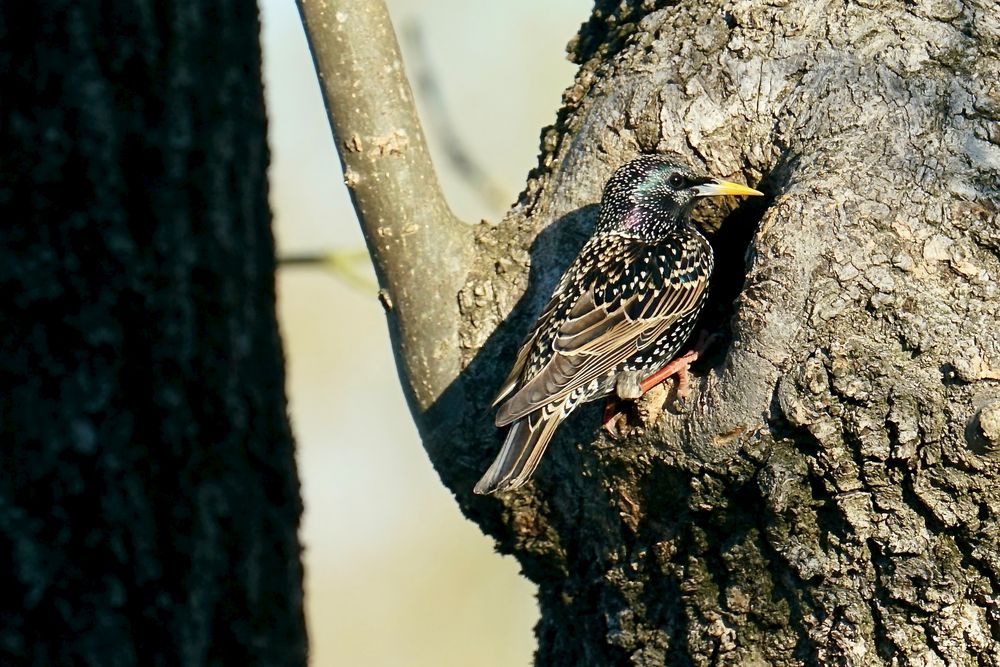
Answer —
(650, 406)
(621, 421)
(615, 419)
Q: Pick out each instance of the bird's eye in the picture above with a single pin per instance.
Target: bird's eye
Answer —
(675, 180)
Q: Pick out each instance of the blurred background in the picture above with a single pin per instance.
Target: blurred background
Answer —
(394, 574)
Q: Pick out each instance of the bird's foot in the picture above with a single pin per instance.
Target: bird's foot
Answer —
(616, 418)
(678, 367)
(648, 402)
(650, 408)
(624, 418)
(649, 396)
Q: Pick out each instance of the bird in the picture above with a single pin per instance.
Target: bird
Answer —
(618, 315)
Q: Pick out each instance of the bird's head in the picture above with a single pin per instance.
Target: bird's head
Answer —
(652, 194)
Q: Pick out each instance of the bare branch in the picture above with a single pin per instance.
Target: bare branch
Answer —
(420, 249)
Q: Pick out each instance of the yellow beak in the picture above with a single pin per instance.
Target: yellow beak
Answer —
(717, 187)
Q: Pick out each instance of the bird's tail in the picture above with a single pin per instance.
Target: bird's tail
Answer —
(522, 450)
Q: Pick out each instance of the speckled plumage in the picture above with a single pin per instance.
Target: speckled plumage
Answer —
(625, 305)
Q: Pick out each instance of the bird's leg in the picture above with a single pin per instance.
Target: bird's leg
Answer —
(650, 403)
(613, 417)
(678, 367)
(627, 388)
(628, 385)
(655, 395)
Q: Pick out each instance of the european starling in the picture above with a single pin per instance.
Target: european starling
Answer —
(619, 314)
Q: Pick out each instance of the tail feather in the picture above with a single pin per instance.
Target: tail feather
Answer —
(522, 450)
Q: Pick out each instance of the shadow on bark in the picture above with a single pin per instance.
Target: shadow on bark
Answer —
(572, 525)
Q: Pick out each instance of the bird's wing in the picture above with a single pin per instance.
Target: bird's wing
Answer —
(513, 378)
(542, 325)
(624, 306)
(522, 450)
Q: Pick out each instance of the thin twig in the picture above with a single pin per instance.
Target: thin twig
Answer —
(465, 165)
(352, 267)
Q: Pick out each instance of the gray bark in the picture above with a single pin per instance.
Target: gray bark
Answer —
(828, 495)
(149, 502)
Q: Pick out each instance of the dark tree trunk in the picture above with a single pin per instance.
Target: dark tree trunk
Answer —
(149, 502)
(830, 493)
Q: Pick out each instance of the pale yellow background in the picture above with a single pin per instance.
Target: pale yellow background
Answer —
(394, 574)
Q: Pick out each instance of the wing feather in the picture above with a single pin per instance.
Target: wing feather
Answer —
(597, 333)
(513, 379)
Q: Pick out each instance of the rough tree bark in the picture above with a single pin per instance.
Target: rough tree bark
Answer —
(829, 493)
(148, 497)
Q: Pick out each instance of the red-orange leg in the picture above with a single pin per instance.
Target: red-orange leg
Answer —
(612, 415)
(678, 367)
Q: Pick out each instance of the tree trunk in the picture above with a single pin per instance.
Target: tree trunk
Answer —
(828, 494)
(148, 498)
